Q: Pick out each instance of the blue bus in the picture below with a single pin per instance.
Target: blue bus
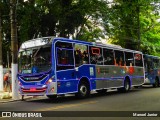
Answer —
(58, 66)
(152, 70)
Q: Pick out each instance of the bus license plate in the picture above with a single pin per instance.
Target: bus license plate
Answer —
(32, 89)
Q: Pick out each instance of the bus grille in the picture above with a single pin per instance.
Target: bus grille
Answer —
(33, 78)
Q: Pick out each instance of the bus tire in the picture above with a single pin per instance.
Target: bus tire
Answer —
(52, 96)
(156, 84)
(126, 87)
(83, 90)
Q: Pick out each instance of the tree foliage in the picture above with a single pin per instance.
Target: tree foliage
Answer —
(132, 24)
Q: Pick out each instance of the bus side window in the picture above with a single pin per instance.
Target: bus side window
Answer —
(64, 53)
(78, 57)
(129, 59)
(63, 56)
(85, 57)
(119, 58)
(155, 62)
(138, 59)
(81, 54)
(108, 56)
(96, 56)
(149, 64)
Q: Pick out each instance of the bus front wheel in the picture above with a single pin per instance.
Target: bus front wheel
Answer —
(83, 90)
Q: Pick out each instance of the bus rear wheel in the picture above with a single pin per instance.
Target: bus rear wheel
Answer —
(83, 90)
(126, 87)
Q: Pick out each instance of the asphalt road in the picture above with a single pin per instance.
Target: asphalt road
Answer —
(137, 100)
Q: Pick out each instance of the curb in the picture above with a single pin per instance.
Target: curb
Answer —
(7, 97)
(11, 100)
(6, 101)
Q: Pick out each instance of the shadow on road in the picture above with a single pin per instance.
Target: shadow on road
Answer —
(149, 87)
(71, 97)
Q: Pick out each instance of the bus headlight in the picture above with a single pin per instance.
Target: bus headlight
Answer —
(50, 80)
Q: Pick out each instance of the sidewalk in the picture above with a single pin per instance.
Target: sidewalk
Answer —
(5, 97)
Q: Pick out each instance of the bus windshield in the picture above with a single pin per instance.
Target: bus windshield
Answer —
(34, 60)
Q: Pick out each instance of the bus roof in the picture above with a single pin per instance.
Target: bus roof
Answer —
(38, 42)
(151, 56)
(98, 44)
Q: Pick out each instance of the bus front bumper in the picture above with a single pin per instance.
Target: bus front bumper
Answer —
(42, 90)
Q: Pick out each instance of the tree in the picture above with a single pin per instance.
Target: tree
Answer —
(56, 16)
(131, 24)
(134, 23)
(150, 30)
(1, 62)
(4, 8)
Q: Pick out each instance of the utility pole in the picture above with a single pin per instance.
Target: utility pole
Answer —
(1, 60)
(14, 49)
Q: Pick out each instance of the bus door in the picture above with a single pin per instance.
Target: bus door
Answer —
(66, 74)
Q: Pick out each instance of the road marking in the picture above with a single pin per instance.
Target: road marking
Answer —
(66, 106)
